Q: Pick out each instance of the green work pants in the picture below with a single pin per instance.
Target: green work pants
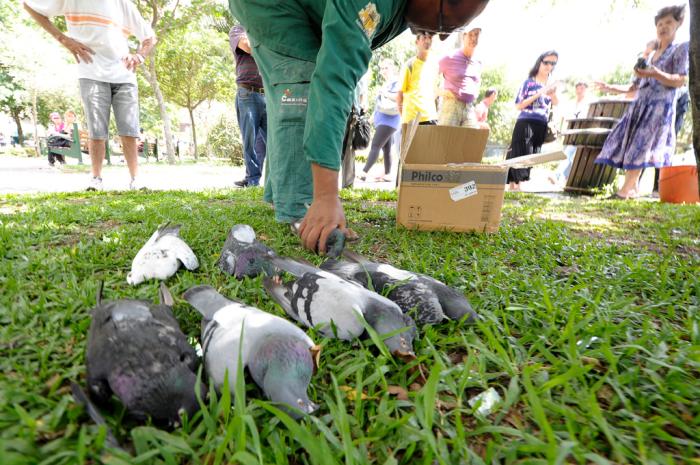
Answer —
(288, 181)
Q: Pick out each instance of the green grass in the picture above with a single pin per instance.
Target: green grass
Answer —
(559, 273)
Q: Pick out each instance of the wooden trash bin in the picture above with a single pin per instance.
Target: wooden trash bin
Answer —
(589, 135)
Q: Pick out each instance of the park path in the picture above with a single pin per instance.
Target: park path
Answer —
(22, 175)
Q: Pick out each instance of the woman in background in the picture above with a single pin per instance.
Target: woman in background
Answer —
(535, 100)
(645, 136)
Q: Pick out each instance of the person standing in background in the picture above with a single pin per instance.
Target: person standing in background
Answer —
(462, 79)
(251, 110)
(579, 109)
(418, 80)
(535, 100)
(97, 36)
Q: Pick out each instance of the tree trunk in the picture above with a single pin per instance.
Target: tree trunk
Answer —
(37, 149)
(152, 79)
(194, 132)
(18, 123)
(694, 78)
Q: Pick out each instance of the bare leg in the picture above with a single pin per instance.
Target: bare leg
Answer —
(96, 147)
(129, 146)
(630, 186)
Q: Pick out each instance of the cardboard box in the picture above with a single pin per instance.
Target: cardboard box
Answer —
(443, 184)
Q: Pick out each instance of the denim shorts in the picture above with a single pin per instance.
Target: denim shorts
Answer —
(99, 96)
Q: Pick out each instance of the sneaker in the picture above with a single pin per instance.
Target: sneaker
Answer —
(95, 184)
(136, 185)
(241, 183)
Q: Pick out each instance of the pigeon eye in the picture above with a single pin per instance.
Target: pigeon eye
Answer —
(183, 357)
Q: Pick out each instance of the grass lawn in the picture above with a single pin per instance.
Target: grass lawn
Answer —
(590, 335)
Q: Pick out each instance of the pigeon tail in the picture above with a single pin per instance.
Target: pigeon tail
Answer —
(82, 399)
(292, 266)
(206, 300)
(167, 228)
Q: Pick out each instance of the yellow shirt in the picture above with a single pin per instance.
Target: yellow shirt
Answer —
(418, 87)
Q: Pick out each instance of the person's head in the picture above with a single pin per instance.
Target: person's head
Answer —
(55, 118)
(424, 40)
(387, 68)
(580, 89)
(442, 16)
(490, 96)
(470, 38)
(69, 116)
(667, 21)
(545, 64)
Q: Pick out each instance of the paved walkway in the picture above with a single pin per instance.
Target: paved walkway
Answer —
(20, 175)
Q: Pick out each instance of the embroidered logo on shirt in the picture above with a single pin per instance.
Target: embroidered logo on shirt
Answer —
(369, 19)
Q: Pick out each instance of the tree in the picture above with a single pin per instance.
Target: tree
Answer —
(14, 99)
(194, 67)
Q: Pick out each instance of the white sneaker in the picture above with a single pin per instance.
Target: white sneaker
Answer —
(135, 185)
(95, 184)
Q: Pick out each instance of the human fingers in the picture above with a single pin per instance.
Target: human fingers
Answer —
(310, 238)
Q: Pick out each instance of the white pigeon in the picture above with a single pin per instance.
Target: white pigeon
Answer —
(161, 256)
(278, 354)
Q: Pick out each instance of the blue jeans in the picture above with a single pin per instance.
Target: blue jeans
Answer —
(252, 119)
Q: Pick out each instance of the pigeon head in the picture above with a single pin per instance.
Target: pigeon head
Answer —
(134, 278)
(252, 262)
(335, 243)
(386, 317)
(165, 391)
(242, 233)
(283, 366)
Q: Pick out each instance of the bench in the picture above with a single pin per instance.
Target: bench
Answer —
(76, 148)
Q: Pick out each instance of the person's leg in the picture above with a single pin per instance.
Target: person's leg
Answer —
(52, 157)
(376, 145)
(258, 156)
(247, 121)
(450, 111)
(347, 162)
(386, 150)
(288, 183)
(125, 102)
(96, 97)
(629, 187)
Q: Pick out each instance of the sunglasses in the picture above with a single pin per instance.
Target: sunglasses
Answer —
(550, 63)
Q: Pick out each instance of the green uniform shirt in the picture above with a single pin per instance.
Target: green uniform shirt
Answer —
(338, 36)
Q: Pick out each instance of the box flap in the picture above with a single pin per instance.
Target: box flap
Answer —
(534, 159)
(446, 144)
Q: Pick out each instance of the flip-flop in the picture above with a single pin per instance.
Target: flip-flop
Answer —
(617, 196)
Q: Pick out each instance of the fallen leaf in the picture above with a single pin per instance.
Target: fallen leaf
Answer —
(399, 392)
(351, 393)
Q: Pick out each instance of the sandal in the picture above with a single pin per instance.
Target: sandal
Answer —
(382, 179)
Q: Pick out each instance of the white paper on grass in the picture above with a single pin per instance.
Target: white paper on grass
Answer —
(461, 192)
(489, 398)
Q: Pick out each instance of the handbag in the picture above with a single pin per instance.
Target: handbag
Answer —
(387, 103)
(361, 131)
(552, 132)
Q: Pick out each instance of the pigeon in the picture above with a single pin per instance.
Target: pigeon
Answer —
(337, 306)
(244, 255)
(161, 256)
(431, 300)
(279, 355)
(136, 350)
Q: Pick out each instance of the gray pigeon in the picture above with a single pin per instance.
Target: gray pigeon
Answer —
(136, 350)
(278, 354)
(431, 300)
(243, 255)
(161, 256)
(334, 244)
(319, 298)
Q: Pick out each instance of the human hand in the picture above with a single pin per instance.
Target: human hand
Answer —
(80, 51)
(324, 215)
(132, 61)
(601, 86)
(650, 72)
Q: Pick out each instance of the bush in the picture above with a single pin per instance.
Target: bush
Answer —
(224, 140)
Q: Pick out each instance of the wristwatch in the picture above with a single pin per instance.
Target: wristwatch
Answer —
(140, 58)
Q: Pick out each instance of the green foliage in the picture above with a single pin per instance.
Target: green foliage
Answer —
(501, 114)
(224, 140)
(588, 331)
(59, 101)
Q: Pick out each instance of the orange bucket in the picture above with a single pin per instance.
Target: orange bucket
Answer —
(679, 184)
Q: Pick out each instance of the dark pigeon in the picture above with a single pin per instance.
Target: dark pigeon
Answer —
(335, 244)
(277, 353)
(137, 351)
(430, 300)
(319, 298)
(243, 255)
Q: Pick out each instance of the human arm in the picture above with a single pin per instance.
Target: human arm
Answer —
(399, 101)
(616, 88)
(80, 51)
(325, 213)
(143, 32)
